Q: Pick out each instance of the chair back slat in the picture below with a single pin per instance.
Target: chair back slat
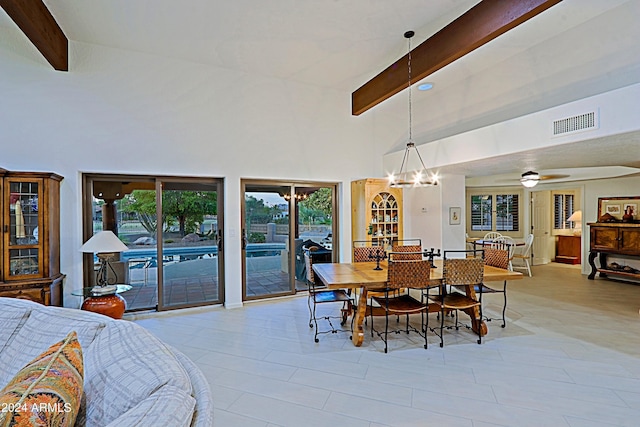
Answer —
(492, 235)
(409, 274)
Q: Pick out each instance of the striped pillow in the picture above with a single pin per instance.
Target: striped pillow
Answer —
(48, 390)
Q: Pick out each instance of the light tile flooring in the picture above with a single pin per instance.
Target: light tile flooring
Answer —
(569, 356)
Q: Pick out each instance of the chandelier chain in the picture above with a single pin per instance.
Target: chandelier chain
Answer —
(410, 110)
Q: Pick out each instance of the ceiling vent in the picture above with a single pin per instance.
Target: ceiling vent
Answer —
(573, 124)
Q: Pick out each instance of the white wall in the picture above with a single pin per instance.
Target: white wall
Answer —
(617, 109)
(117, 111)
(617, 115)
(426, 213)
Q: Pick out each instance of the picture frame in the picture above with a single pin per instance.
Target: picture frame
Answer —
(613, 210)
(455, 214)
(616, 207)
(631, 209)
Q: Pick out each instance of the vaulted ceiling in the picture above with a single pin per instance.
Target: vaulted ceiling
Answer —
(575, 49)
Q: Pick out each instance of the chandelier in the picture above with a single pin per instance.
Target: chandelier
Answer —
(420, 178)
(298, 197)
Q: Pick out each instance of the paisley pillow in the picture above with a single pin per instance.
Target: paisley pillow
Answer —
(48, 390)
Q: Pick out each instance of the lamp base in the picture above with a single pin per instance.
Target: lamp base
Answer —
(110, 305)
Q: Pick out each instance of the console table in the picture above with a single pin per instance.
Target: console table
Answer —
(617, 239)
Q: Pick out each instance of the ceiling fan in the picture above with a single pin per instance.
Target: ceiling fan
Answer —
(530, 178)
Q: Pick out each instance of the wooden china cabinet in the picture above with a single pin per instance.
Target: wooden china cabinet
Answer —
(376, 212)
(30, 244)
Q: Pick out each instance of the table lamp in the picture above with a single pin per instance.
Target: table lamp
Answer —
(576, 218)
(105, 245)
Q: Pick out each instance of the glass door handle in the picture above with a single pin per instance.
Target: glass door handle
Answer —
(220, 241)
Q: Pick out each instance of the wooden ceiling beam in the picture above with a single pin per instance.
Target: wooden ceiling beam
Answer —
(479, 25)
(37, 23)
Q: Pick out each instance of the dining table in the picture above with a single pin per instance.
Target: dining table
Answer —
(364, 276)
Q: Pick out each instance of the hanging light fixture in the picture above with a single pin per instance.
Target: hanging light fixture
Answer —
(530, 179)
(420, 178)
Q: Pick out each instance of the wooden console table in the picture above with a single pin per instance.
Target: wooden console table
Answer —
(613, 238)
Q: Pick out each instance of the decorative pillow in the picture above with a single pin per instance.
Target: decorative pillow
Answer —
(48, 390)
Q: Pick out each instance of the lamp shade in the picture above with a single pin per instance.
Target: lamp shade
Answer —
(104, 242)
(575, 217)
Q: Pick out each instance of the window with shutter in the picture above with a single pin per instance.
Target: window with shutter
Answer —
(481, 206)
(507, 212)
(493, 210)
(563, 208)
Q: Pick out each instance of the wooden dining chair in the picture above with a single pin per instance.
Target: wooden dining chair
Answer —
(524, 254)
(492, 235)
(318, 295)
(460, 274)
(402, 275)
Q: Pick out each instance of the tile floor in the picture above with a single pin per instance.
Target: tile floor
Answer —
(569, 356)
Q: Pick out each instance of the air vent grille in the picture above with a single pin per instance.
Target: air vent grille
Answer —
(579, 123)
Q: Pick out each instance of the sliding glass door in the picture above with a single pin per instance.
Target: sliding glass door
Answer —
(279, 219)
(172, 227)
(190, 244)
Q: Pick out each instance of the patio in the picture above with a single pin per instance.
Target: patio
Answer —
(196, 281)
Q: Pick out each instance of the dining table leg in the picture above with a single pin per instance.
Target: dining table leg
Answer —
(474, 314)
(358, 331)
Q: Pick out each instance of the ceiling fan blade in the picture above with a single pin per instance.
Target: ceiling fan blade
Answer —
(556, 176)
(542, 178)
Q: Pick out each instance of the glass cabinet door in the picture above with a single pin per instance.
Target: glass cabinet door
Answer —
(22, 224)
